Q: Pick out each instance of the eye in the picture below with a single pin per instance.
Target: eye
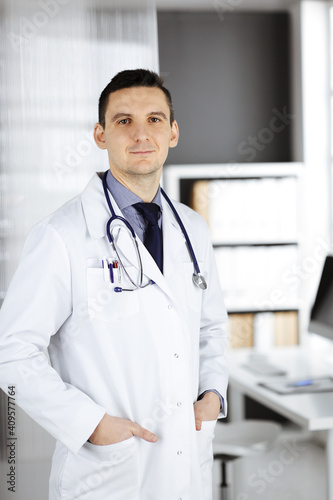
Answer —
(124, 121)
(154, 119)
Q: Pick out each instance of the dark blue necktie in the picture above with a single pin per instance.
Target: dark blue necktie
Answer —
(153, 240)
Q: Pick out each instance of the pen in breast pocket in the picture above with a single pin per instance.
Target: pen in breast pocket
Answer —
(110, 264)
(105, 269)
(116, 266)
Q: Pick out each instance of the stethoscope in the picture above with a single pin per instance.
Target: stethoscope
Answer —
(197, 277)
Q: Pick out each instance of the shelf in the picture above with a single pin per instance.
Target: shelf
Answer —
(252, 211)
(256, 244)
(248, 310)
(173, 174)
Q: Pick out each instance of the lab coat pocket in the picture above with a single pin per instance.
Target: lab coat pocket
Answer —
(102, 472)
(205, 451)
(104, 303)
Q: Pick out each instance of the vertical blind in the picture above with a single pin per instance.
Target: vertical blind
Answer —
(56, 57)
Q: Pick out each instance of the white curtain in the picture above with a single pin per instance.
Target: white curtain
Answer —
(56, 57)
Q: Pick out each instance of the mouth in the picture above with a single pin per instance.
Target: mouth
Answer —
(142, 153)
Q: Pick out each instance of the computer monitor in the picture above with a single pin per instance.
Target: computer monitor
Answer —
(321, 318)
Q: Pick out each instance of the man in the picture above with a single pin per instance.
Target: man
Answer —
(138, 375)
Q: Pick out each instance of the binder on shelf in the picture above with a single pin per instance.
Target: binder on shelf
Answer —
(263, 330)
(241, 330)
(286, 328)
(258, 210)
(200, 199)
(257, 278)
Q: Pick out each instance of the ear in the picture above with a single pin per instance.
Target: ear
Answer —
(99, 136)
(174, 134)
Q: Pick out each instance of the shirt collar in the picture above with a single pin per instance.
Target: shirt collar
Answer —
(124, 197)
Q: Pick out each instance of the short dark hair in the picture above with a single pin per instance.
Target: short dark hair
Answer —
(132, 78)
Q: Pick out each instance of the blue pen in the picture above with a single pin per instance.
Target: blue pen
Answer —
(301, 383)
(111, 270)
(105, 269)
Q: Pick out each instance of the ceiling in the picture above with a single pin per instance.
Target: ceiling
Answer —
(212, 5)
(225, 5)
(207, 5)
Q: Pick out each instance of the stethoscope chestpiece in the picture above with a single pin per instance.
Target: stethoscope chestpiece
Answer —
(199, 280)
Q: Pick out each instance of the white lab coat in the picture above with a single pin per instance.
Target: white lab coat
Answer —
(144, 355)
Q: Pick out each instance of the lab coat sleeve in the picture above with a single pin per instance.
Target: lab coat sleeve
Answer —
(37, 303)
(213, 371)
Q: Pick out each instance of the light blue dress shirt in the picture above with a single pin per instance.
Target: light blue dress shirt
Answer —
(125, 200)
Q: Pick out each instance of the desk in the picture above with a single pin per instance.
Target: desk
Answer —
(312, 411)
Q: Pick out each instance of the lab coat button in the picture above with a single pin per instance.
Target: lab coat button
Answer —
(176, 355)
(169, 306)
(179, 452)
(179, 403)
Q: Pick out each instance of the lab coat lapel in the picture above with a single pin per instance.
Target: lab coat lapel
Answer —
(150, 268)
(95, 208)
(174, 249)
(174, 244)
(97, 214)
(125, 242)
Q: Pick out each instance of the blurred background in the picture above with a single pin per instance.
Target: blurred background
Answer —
(252, 87)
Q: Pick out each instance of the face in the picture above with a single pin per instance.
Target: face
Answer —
(137, 133)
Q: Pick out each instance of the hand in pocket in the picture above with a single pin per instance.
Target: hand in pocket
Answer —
(208, 408)
(113, 430)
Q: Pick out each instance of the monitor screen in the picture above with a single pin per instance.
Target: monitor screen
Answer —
(321, 319)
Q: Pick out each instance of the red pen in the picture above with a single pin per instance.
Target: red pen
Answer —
(115, 266)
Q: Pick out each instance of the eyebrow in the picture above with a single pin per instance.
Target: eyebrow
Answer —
(159, 113)
(129, 115)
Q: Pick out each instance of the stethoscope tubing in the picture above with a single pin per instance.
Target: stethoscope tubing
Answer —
(182, 227)
(113, 213)
(118, 217)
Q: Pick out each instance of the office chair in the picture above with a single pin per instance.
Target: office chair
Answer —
(241, 439)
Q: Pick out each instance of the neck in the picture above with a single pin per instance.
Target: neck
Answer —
(144, 186)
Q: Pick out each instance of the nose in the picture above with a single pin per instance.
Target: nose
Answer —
(140, 132)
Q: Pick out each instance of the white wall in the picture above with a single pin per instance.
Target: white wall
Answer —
(315, 188)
